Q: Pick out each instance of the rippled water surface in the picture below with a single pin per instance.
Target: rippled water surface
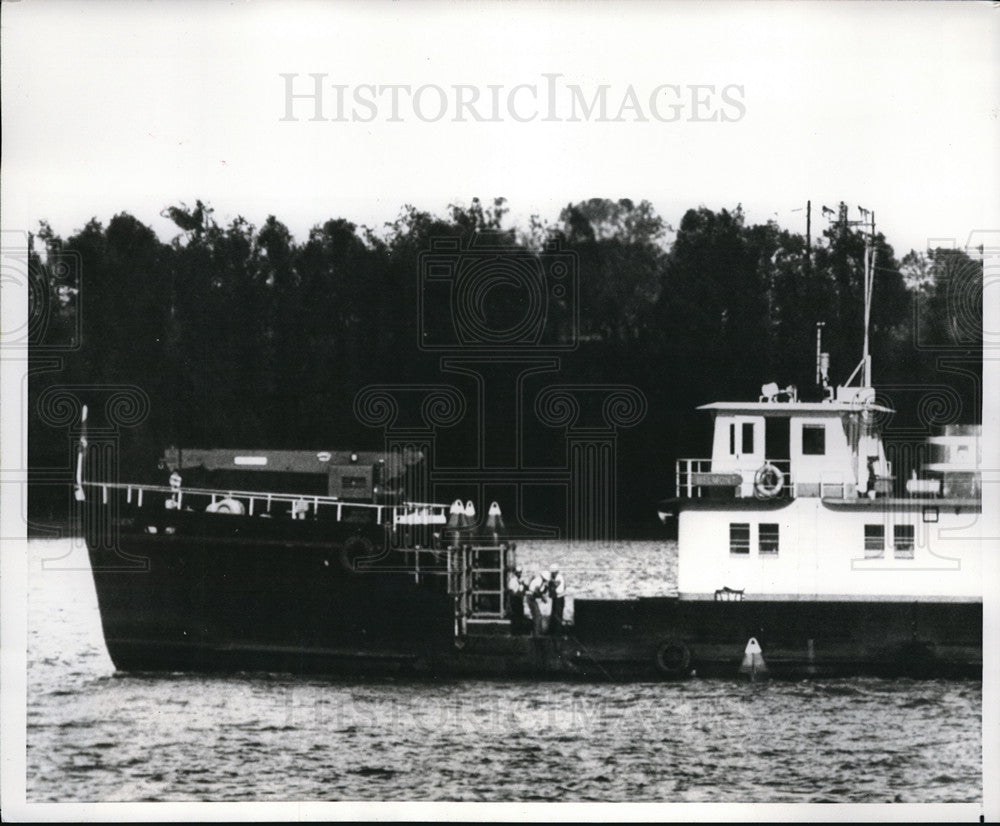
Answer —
(97, 736)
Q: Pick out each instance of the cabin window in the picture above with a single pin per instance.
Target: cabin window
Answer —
(732, 440)
(874, 541)
(813, 439)
(739, 538)
(767, 539)
(747, 446)
(902, 539)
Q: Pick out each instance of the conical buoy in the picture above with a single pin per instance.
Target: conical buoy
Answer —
(494, 522)
(468, 520)
(753, 665)
(456, 518)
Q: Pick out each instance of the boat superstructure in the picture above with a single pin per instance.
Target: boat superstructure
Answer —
(798, 525)
(797, 502)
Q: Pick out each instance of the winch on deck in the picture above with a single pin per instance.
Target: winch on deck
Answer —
(348, 475)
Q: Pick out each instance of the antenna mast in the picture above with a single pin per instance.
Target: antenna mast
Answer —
(867, 223)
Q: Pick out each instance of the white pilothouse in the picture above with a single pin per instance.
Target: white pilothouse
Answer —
(799, 502)
(796, 503)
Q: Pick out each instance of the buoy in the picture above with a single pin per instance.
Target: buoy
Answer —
(753, 665)
(468, 519)
(768, 481)
(494, 522)
(456, 516)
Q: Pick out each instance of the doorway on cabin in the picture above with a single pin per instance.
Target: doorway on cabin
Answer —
(777, 438)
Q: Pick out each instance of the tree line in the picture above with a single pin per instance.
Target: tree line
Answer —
(243, 336)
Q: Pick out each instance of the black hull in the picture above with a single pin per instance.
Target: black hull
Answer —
(799, 638)
(220, 591)
(227, 594)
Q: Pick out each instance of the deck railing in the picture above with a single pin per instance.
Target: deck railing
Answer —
(695, 476)
(687, 470)
(269, 504)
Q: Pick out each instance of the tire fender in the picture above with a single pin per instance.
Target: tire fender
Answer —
(354, 549)
(673, 658)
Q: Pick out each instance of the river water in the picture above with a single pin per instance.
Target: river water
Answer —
(94, 735)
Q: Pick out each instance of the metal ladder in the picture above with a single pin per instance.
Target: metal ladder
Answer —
(477, 582)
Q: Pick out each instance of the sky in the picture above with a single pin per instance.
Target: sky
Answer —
(115, 106)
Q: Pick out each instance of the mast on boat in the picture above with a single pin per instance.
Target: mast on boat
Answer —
(867, 223)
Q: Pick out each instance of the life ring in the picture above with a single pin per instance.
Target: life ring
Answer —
(768, 481)
(227, 505)
(673, 658)
(354, 550)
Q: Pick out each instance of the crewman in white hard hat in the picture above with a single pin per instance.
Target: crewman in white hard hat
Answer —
(515, 593)
(556, 587)
(536, 594)
(173, 501)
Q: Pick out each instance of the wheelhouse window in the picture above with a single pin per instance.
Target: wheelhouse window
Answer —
(739, 538)
(767, 538)
(813, 439)
(747, 446)
(903, 541)
(874, 541)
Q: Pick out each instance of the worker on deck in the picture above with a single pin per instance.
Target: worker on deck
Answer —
(557, 591)
(173, 501)
(536, 594)
(515, 593)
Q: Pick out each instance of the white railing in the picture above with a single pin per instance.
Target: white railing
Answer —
(693, 476)
(685, 476)
(262, 503)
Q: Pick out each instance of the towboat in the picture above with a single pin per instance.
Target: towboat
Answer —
(791, 533)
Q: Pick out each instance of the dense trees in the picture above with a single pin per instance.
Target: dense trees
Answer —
(245, 336)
